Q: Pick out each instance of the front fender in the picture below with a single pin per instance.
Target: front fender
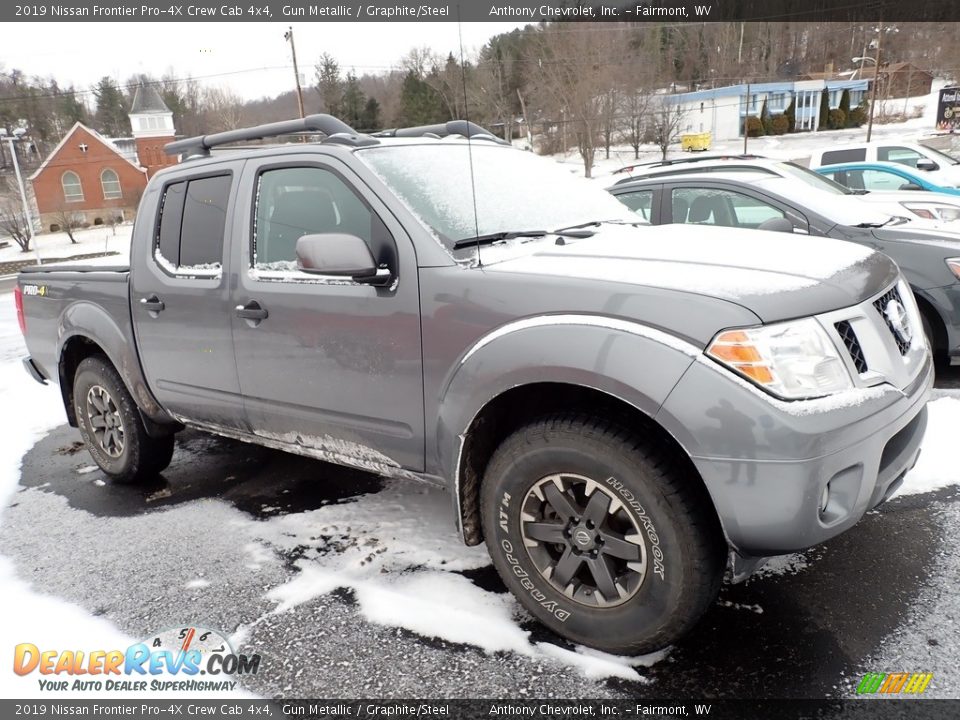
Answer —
(90, 321)
(635, 363)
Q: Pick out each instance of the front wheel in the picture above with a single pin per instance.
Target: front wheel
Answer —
(111, 426)
(600, 535)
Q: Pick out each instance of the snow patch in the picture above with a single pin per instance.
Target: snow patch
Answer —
(86, 469)
(741, 606)
(196, 584)
(598, 665)
(936, 468)
(783, 565)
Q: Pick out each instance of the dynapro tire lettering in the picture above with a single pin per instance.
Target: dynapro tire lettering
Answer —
(522, 574)
(630, 499)
(527, 583)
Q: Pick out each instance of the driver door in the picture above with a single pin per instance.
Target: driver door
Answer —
(330, 364)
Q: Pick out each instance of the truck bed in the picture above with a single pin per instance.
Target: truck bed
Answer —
(57, 299)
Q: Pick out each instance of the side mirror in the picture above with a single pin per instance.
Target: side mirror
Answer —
(777, 224)
(910, 186)
(927, 164)
(340, 255)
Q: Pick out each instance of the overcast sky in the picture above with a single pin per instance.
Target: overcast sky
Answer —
(252, 59)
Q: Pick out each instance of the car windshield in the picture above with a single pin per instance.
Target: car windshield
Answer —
(942, 156)
(792, 170)
(511, 191)
(850, 211)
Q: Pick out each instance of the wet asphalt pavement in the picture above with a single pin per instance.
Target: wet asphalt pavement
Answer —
(879, 598)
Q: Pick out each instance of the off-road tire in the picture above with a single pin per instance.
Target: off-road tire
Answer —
(683, 546)
(129, 455)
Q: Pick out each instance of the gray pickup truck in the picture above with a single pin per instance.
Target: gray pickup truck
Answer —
(621, 412)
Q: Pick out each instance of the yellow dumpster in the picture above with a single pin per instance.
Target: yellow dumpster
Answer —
(695, 142)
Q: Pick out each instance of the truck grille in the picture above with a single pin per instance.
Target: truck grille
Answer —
(849, 337)
(903, 343)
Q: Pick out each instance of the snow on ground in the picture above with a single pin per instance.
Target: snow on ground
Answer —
(98, 239)
(405, 573)
(937, 467)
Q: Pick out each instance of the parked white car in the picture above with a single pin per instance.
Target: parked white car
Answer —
(942, 168)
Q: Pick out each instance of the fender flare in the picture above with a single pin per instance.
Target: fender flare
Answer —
(92, 323)
(631, 362)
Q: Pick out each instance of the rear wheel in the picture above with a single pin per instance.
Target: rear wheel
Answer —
(600, 535)
(111, 426)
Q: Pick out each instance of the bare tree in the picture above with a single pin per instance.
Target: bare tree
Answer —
(68, 220)
(223, 109)
(635, 121)
(15, 223)
(571, 72)
(665, 122)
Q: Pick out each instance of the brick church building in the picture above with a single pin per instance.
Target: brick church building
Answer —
(89, 179)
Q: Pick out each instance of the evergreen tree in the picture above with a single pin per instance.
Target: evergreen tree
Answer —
(765, 119)
(329, 85)
(791, 114)
(110, 117)
(420, 104)
(824, 110)
(371, 116)
(845, 104)
(352, 102)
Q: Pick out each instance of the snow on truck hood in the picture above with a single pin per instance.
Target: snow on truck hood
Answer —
(775, 275)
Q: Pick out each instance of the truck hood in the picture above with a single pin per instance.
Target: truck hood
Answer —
(774, 275)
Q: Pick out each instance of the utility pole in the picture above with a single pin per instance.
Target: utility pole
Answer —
(288, 35)
(746, 118)
(876, 80)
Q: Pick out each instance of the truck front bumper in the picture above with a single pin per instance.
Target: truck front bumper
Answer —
(784, 477)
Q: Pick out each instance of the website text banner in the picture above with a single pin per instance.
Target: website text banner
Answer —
(663, 11)
(889, 709)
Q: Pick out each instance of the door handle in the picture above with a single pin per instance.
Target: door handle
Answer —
(152, 304)
(252, 311)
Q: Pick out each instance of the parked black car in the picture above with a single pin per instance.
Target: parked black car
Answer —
(929, 258)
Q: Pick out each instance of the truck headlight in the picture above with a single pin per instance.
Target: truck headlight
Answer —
(794, 360)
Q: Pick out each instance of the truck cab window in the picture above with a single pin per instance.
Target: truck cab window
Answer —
(192, 224)
(297, 201)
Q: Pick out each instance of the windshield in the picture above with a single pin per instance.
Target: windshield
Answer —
(838, 209)
(941, 155)
(792, 170)
(515, 191)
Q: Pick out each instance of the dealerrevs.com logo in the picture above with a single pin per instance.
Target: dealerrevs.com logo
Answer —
(184, 659)
(894, 683)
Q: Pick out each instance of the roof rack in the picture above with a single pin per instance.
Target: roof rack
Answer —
(463, 128)
(336, 131)
(683, 161)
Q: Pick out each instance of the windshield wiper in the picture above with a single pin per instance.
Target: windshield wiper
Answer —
(491, 238)
(892, 218)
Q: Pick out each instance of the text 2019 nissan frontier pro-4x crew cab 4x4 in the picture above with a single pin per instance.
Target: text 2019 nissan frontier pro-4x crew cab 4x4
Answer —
(620, 412)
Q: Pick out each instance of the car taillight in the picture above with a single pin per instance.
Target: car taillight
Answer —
(18, 299)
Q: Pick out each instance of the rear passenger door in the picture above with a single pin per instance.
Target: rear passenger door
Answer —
(180, 296)
(333, 365)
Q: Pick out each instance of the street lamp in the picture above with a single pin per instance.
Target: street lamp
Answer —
(18, 135)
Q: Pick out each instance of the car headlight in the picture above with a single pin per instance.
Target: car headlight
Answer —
(954, 265)
(794, 360)
(930, 211)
